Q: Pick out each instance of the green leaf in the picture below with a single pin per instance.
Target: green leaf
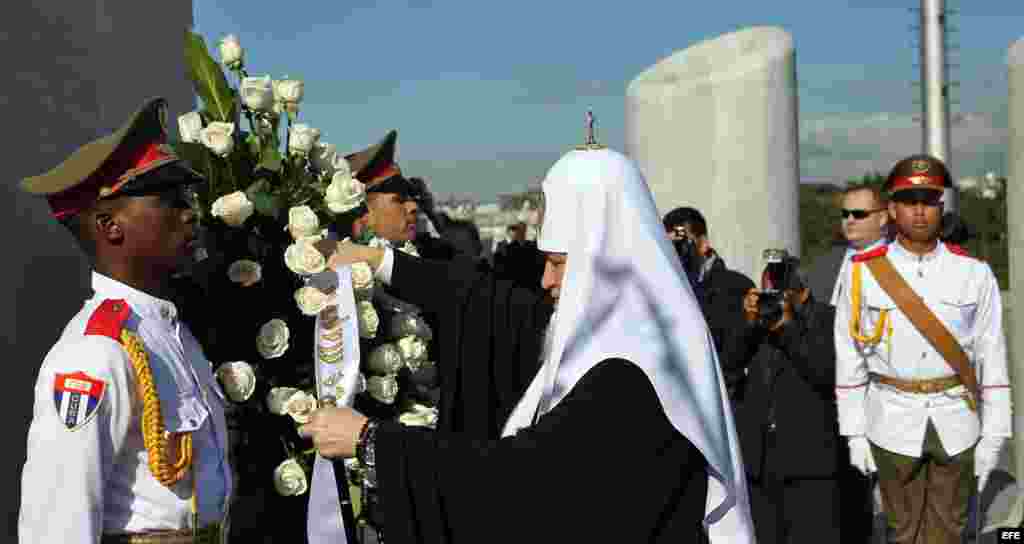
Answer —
(271, 159)
(193, 153)
(263, 200)
(253, 145)
(208, 79)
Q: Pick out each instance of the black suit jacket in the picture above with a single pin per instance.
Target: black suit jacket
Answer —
(786, 412)
(721, 301)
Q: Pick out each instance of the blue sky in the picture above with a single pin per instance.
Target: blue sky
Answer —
(486, 95)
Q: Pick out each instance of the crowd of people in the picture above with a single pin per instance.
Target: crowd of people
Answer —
(613, 381)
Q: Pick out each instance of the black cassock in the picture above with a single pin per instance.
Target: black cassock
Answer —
(488, 334)
(605, 465)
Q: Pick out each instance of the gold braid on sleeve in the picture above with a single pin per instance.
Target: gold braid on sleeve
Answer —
(883, 321)
(154, 435)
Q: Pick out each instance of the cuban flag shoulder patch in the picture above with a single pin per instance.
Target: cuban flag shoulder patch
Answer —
(77, 397)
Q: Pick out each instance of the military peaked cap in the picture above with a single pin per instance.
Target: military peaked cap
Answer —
(135, 159)
(918, 172)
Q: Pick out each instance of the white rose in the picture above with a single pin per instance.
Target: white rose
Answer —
(341, 165)
(407, 323)
(288, 93)
(302, 139)
(304, 258)
(368, 319)
(300, 406)
(344, 193)
(311, 300)
(218, 137)
(413, 349)
(314, 238)
(237, 379)
(290, 478)
(273, 339)
(257, 94)
(324, 156)
(231, 51)
(189, 126)
(245, 272)
(382, 388)
(303, 222)
(419, 416)
(264, 126)
(362, 279)
(233, 208)
(385, 359)
(277, 397)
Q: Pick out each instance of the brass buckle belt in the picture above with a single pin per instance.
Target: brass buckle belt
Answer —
(921, 387)
(207, 535)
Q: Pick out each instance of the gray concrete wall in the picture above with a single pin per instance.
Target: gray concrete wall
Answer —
(1015, 225)
(74, 70)
(715, 127)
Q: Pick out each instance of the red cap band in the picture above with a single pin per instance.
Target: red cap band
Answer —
(120, 168)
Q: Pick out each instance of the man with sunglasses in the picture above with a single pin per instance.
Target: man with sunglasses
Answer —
(921, 375)
(128, 441)
(864, 224)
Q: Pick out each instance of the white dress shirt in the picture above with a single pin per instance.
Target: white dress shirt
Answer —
(963, 294)
(81, 483)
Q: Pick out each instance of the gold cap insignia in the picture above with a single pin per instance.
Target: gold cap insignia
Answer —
(920, 166)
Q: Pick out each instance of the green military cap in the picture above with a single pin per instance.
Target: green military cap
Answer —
(922, 176)
(121, 163)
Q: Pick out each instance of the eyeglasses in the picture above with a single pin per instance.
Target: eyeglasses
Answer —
(858, 214)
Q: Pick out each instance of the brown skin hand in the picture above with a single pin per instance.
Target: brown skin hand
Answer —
(788, 298)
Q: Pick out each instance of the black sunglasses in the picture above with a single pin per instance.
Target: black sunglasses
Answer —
(858, 214)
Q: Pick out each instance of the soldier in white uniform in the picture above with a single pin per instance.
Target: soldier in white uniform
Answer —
(128, 442)
(932, 427)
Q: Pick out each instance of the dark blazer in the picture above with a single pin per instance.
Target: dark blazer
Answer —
(786, 413)
(823, 272)
(721, 301)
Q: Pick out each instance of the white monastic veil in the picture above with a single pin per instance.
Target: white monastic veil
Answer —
(625, 295)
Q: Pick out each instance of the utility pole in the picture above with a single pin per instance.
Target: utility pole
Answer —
(936, 88)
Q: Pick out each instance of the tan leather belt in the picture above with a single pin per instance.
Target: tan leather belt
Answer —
(921, 387)
(207, 535)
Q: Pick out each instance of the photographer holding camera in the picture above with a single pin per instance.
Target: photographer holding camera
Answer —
(719, 290)
(785, 408)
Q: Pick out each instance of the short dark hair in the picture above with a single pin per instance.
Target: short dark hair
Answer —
(686, 216)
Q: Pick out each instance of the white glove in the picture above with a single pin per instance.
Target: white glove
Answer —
(860, 455)
(986, 457)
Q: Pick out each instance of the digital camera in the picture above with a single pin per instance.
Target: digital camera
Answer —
(774, 280)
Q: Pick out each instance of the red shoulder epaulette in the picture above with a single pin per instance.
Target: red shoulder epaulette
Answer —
(868, 255)
(958, 250)
(109, 319)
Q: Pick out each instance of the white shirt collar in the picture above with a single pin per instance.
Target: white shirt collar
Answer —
(902, 252)
(144, 304)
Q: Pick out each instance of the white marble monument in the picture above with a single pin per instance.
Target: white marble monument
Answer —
(715, 127)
